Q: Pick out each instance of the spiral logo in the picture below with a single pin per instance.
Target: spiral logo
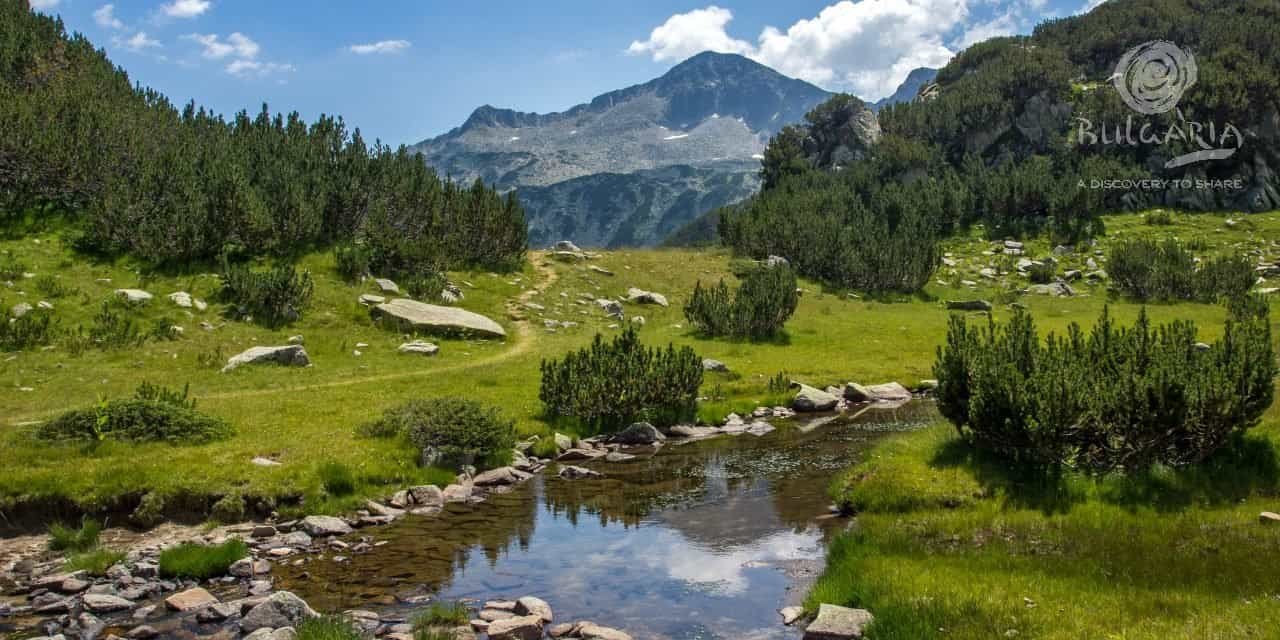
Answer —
(1152, 77)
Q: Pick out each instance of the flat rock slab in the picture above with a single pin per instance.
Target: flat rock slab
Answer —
(640, 296)
(838, 623)
(105, 603)
(293, 355)
(438, 319)
(190, 600)
(320, 526)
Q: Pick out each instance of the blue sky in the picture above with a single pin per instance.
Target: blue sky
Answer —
(403, 71)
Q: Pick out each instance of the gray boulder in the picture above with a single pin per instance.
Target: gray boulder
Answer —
(414, 315)
(280, 609)
(612, 308)
(320, 526)
(565, 245)
(516, 628)
(134, 296)
(501, 476)
(386, 286)
(293, 355)
(640, 296)
(714, 365)
(531, 606)
(887, 392)
(1057, 289)
(809, 399)
(639, 433)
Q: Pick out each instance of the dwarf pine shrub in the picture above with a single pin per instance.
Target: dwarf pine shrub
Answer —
(272, 298)
(1112, 399)
(759, 308)
(1144, 269)
(449, 431)
(608, 385)
(36, 328)
(153, 414)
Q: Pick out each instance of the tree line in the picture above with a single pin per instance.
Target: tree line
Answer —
(169, 185)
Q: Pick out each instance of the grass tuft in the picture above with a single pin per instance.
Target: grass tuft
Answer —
(84, 538)
(95, 562)
(200, 562)
(327, 628)
(337, 479)
(442, 613)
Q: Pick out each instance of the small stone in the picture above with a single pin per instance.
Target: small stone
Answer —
(419, 347)
(1268, 517)
(143, 632)
(105, 603)
(790, 615)
(518, 628)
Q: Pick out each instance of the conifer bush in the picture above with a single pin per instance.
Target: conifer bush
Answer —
(1113, 399)
(449, 431)
(1147, 270)
(758, 310)
(273, 298)
(609, 385)
(152, 414)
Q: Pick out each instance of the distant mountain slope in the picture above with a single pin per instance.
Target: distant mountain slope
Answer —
(651, 203)
(909, 88)
(708, 119)
(709, 108)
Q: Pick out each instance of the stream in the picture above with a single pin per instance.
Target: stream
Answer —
(703, 539)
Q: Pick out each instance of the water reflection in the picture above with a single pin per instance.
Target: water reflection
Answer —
(700, 540)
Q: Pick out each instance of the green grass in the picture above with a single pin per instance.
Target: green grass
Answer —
(306, 417)
(337, 479)
(327, 628)
(197, 561)
(951, 543)
(442, 614)
(81, 539)
(95, 562)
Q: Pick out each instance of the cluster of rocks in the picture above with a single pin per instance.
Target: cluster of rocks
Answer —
(132, 595)
(1058, 286)
(838, 398)
(531, 618)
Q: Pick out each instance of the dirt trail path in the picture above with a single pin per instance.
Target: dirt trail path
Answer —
(522, 338)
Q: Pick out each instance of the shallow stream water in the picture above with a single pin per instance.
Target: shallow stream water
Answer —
(702, 540)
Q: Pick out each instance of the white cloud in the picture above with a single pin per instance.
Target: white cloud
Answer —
(248, 68)
(237, 44)
(185, 8)
(106, 18)
(137, 42)
(43, 5)
(866, 47)
(685, 34)
(1091, 5)
(382, 46)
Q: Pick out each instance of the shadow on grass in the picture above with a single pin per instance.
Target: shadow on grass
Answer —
(1246, 466)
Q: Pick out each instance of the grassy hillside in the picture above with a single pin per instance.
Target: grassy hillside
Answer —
(304, 417)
